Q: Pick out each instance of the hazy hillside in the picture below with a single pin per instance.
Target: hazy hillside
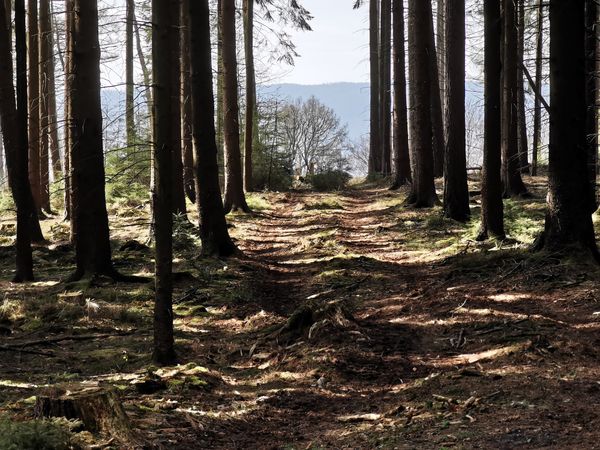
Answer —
(349, 100)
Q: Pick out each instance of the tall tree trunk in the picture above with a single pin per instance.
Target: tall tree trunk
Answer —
(35, 165)
(591, 44)
(375, 150)
(521, 110)
(568, 227)
(164, 42)
(441, 51)
(68, 107)
(423, 188)
(178, 194)
(14, 127)
(385, 72)
(145, 71)
(186, 105)
(511, 173)
(437, 116)
(45, 55)
(130, 129)
(234, 189)
(219, 101)
(91, 231)
(400, 125)
(537, 109)
(48, 85)
(213, 228)
(492, 208)
(251, 129)
(57, 168)
(456, 191)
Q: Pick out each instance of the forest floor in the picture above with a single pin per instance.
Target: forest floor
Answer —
(408, 333)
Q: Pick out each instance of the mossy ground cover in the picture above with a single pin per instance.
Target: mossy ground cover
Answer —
(444, 342)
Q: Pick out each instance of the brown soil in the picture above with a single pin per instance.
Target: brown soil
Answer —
(444, 347)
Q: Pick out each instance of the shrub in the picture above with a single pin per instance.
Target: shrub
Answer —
(33, 435)
(332, 180)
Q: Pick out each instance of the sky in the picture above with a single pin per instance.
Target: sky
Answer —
(337, 48)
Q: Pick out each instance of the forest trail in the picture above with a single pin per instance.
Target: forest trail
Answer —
(444, 351)
(431, 341)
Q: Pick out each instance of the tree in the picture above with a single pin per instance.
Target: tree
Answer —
(437, 116)
(90, 219)
(14, 126)
(521, 107)
(178, 194)
(537, 117)
(234, 190)
(423, 187)
(492, 208)
(35, 165)
(568, 227)
(456, 191)
(511, 171)
(46, 91)
(164, 37)
(591, 92)
(213, 227)
(186, 105)
(68, 107)
(250, 122)
(375, 153)
(312, 137)
(385, 86)
(48, 84)
(400, 123)
(131, 138)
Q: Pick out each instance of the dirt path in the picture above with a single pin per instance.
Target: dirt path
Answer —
(447, 346)
(465, 352)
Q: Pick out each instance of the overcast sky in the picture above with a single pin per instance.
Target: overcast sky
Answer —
(336, 49)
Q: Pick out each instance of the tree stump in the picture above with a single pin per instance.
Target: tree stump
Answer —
(99, 410)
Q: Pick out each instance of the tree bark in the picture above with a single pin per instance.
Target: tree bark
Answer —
(400, 124)
(437, 116)
(45, 55)
(178, 195)
(68, 107)
(537, 118)
(250, 124)
(521, 110)
(423, 187)
(90, 219)
(492, 208)
(234, 189)
(441, 51)
(511, 173)
(375, 150)
(591, 46)
(213, 227)
(14, 135)
(186, 105)
(456, 191)
(130, 129)
(35, 165)
(385, 73)
(164, 42)
(569, 228)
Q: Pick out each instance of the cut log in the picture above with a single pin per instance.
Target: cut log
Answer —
(99, 410)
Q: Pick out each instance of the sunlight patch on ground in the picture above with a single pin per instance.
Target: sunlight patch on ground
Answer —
(508, 298)
(470, 358)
